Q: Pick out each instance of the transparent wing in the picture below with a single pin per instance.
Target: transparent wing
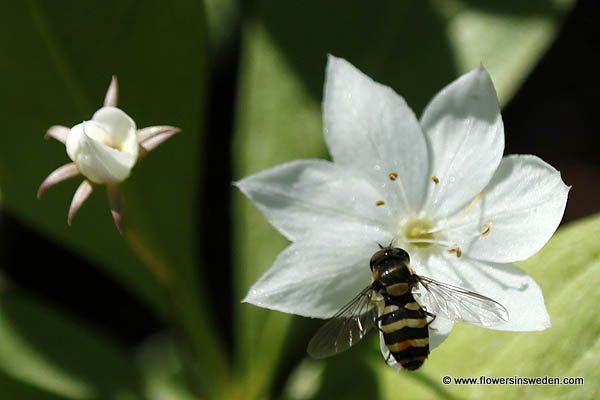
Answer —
(346, 327)
(459, 304)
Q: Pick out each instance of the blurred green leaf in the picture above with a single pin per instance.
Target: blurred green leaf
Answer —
(223, 21)
(45, 355)
(348, 375)
(15, 389)
(162, 370)
(416, 47)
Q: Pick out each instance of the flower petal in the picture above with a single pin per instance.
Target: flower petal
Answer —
(112, 94)
(521, 209)
(60, 174)
(465, 135)
(152, 131)
(157, 138)
(98, 162)
(58, 132)
(120, 129)
(439, 330)
(505, 283)
(307, 195)
(319, 273)
(83, 192)
(370, 129)
(114, 199)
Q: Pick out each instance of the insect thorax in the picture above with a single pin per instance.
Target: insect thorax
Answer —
(393, 277)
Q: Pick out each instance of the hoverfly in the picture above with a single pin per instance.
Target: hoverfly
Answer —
(389, 305)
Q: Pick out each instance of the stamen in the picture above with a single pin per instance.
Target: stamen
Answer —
(458, 220)
(486, 229)
(393, 176)
(379, 203)
(456, 250)
(478, 197)
(418, 241)
(435, 179)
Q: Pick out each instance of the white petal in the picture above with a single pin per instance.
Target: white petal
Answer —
(112, 94)
(60, 174)
(439, 331)
(149, 132)
(309, 194)
(370, 129)
(504, 283)
(83, 192)
(120, 128)
(319, 273)
(75, 137)
(522, 206)
(114, 199)
(58, 132)
(466, 140)
(98, 162)
(153, 142)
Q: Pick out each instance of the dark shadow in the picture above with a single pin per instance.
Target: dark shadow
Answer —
(72, 347)
(33, 262)
(215, 205)
(515, 8)
(555, 113)
(388, 42)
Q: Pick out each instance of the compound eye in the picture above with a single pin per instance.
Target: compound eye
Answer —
(377, 257)
(401, 254)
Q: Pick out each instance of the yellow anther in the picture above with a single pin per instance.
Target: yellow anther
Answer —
(455, 250)
(435, 179)
(487, 227)
(379, 203)
(393, 176)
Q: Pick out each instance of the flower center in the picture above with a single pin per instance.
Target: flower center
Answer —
(419, 232)
(423, 233)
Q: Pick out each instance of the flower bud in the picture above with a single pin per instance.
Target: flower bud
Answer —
(104, 149)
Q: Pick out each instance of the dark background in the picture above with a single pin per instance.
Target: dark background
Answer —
(554, 116)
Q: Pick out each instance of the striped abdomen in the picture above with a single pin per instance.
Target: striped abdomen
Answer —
(404, 326)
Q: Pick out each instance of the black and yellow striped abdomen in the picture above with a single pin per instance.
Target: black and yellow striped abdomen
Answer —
(405, 331)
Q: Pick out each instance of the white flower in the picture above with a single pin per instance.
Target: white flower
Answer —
(438, 187)
(103, 150)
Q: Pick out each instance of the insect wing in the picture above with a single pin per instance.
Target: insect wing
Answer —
(346, 327)
(457, 303)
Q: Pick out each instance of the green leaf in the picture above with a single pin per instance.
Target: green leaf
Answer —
(58, 61)
(223, 20)
(15, 389)
(45, 355)
(162, 370)
(349, 375)
(416, 47)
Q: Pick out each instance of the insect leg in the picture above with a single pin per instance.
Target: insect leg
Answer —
(431, 321)
(387, 359)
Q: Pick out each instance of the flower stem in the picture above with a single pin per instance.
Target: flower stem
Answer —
(159, 269)
(208, 370)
